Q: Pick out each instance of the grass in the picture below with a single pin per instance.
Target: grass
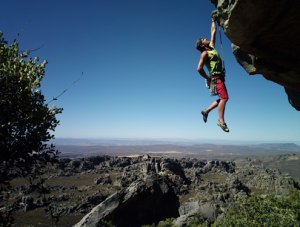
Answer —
(186, 198)
(38, 217)
(213, 177)
(73, 181)
(77, 188)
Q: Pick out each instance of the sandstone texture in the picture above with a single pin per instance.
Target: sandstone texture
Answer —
(265, 40)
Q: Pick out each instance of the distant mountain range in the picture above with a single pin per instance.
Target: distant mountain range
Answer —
(125, 141)
(182, 148)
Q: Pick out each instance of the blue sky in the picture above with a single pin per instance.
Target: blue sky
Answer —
(139, 65)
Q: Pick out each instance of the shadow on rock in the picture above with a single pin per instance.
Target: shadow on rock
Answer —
(144, 202)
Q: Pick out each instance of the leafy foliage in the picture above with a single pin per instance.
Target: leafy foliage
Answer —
(166, 223)
(198, 220)
(268, 211)
(25, 119)
(106, 223)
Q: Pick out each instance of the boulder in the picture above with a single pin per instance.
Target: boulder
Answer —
(105, 179)
(27, 202)
(206, 211)
(265, 41)
(143, 202)
(187, 212)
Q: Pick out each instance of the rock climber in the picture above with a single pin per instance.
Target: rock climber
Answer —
(216, 78)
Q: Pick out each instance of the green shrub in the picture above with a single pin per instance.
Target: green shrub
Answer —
(198, 221)
(106, 223)
(167, 223)
(268, 211)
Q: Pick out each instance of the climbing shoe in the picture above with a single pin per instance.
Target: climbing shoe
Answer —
(223, 126)
(205, 115)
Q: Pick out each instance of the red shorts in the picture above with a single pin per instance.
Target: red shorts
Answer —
(221, 89)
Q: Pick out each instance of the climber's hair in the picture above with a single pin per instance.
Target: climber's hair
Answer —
(199, 45)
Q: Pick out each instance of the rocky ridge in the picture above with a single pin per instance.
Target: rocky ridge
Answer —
(160, 188)
(135, 191)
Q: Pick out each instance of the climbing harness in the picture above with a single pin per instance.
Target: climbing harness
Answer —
(213, 87)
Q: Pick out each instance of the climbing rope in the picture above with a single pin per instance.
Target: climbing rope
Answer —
(221, 45)
(64, 91)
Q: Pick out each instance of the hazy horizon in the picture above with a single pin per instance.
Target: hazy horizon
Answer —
(133, 141)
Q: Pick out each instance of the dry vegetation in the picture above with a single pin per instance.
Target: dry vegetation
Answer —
(64, 192)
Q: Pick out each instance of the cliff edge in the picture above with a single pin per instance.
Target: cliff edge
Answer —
(265, 40)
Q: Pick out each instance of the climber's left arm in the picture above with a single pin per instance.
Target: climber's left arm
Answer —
(213, 33)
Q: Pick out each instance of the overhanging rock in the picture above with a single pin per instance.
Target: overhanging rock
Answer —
(265, 37)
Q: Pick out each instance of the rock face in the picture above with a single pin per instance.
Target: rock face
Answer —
(154, 189)
(144, 190)
(143, 202)
(265, 40)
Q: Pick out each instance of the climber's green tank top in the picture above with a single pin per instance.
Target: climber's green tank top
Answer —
(214, 63)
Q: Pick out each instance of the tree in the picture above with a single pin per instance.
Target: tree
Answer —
(26, 121)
